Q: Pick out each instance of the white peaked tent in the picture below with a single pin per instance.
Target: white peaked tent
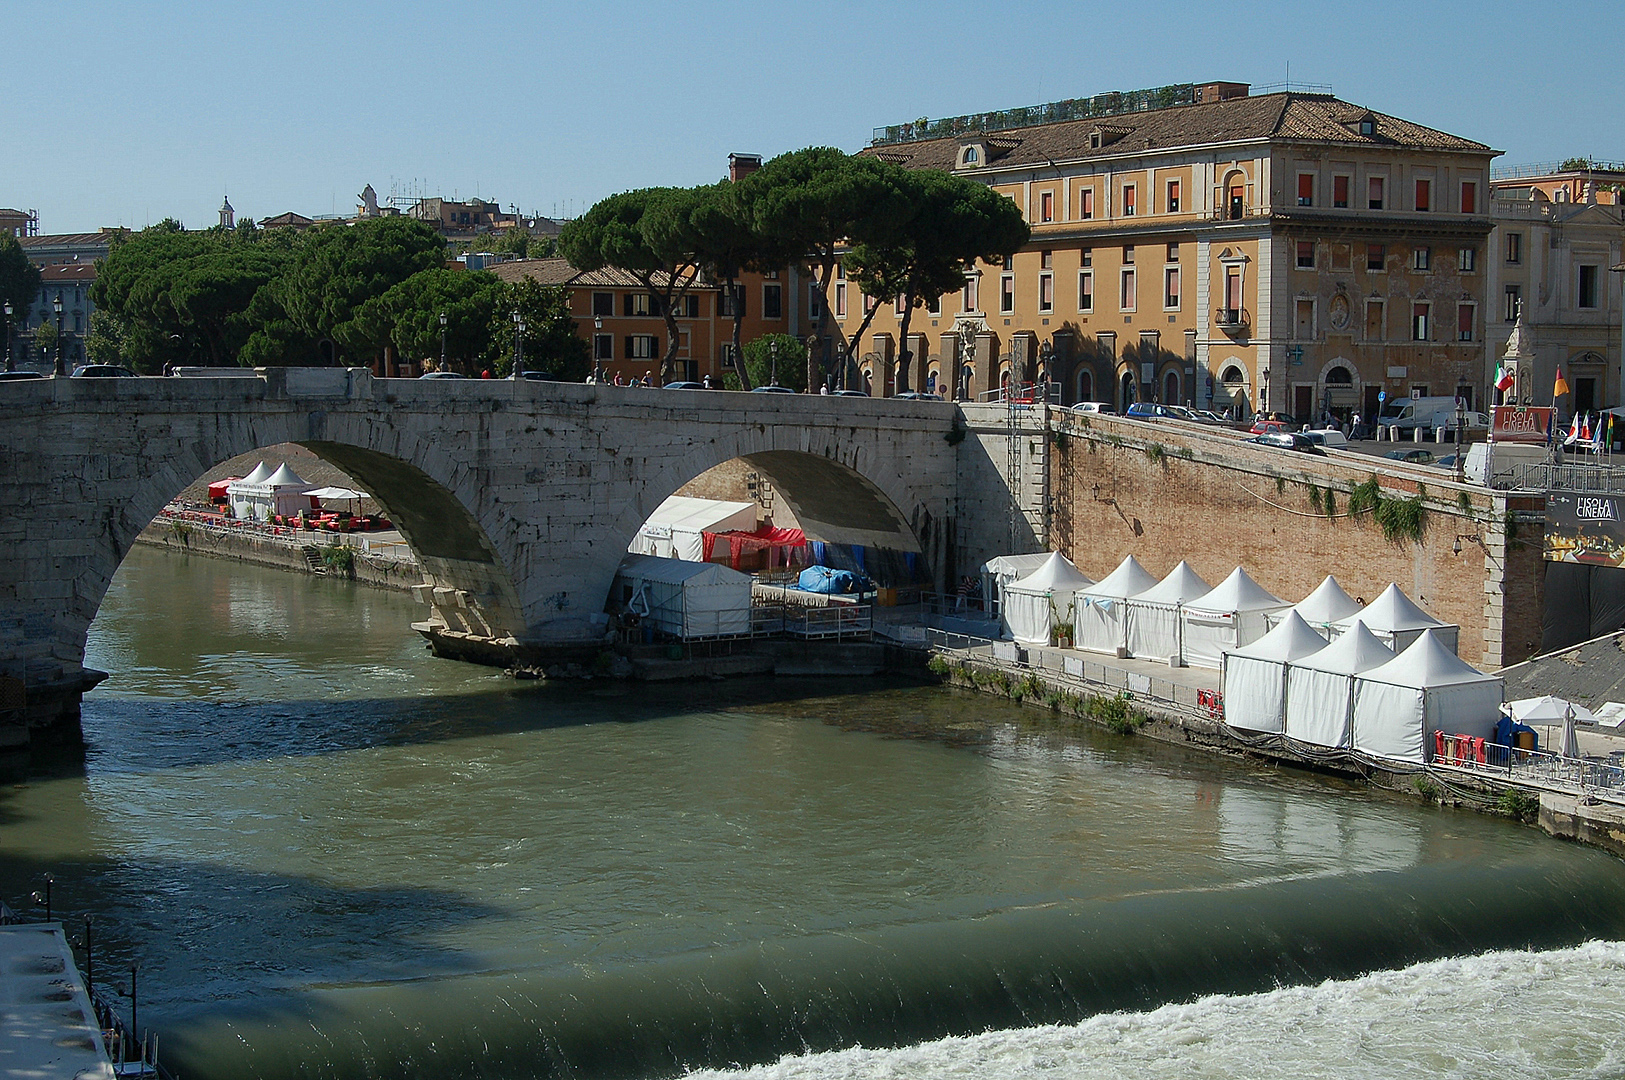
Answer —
(1255, 676)
(1320, 687)
(1001, 571)
(1426, 688)
(673, 530)
(1033, 604)
(1153, 616)
(1229, 617)
(1098, 612)
(1397, 621)
(683, 598)
(263, 493)
(1326, 605)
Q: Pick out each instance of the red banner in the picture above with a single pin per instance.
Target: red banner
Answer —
(1521, 425)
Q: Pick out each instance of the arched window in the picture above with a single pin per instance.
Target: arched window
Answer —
(1339, 376)
(1233, 376)
(1086, 385)
(1126, 391)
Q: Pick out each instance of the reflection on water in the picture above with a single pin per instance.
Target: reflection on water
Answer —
(336, 854)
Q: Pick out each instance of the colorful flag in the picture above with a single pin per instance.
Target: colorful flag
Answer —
(1560, 387)
(1574, 431)
(1503, 378)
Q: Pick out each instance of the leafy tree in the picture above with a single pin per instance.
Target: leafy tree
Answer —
(551, 342)
(650, 234)
(817, 200)
(791, 363)
(19, 278)
(104, 342)
(727, 243)
(514, 241)
(955, 222)
(45, 340)
(407, 317)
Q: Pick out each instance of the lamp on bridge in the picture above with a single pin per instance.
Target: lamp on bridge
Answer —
(518, 343)
(10, 364)
(597, 357)
(56, 306)
(773, 360)
(442, 341)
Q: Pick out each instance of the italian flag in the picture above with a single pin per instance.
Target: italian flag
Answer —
(1503, 378)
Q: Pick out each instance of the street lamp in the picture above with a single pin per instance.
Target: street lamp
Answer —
(773, 358)
(518, 343)
(56, 305)
(597, 357)
(10, 363)
(442, 341)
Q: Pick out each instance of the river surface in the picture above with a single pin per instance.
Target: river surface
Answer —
(334, 855)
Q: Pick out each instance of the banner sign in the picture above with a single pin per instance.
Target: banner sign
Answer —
(1583, 528)
(1513, 423)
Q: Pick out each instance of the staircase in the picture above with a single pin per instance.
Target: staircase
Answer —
(313, 559)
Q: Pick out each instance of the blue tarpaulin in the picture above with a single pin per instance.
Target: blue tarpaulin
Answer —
(821, 579)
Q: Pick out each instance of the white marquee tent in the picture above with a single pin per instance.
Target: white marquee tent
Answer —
(1229, 617)
(1033, 604)
(673, 530)
(683, 598)
(1255, 676)
(1153, 616)
(1098, 611)
(1398, 622)
(1424, 689)
(1001, 571)
(278, 492)
(1326, 605)
(1320, 687)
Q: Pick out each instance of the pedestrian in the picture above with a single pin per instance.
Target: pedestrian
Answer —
(824, 390)
(486, 373)
(618, 379)
(1354, 422)
(706, 382)
(648, 378)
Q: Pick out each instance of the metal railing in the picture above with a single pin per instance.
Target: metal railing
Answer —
(1550, 168)
(853, 621)
(285, 535)
(1536, 768)
(1232, 317)
(1023, 394)
(1567, 476)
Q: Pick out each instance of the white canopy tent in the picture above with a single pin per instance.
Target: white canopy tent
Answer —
(1326, 605)
(1398, 622)
(682, 598)
(674, 530)
(1001, 571)
(265, 493)
(1255, 676)
(1424, 689)
(1098, 621)
(1229, 617)
(1033, 604)
(1320, 687)
(1153, 616)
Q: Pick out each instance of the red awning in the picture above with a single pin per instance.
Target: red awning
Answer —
(740, 542)
(217, 490)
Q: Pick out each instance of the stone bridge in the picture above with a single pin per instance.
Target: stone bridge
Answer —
(519, 498)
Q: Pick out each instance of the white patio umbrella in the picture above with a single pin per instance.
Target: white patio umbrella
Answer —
(1571, 744)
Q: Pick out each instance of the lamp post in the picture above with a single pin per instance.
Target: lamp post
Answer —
(56, 306)
(773, 361)
(518, 343)
(10, 363)
(442, 341)
(1461, 422)
(597, 360)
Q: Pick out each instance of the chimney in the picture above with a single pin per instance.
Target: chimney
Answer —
(742, 165)
(1208, 93)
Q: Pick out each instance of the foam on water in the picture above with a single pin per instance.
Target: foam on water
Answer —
(1530, 1015)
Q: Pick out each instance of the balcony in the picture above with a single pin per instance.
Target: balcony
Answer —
(1232, 320)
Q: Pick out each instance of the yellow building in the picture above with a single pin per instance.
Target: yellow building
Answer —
(1285, 252)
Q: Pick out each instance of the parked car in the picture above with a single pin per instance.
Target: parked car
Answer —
(1446, 462)
(103, 371)
(1263, 426)
(440, 375)
(1149, 410)
(16, 376)
(1287, 440)
(683, 384)
(536, 376)
(1412, 457)
(847, 393)
(1094, 407)
(1327, 437)
(1212, 417)
(918, 395)
(772, 390)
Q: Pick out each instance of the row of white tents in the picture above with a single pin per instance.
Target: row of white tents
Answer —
(1355, 692)
(1182, 618)
(266, 493)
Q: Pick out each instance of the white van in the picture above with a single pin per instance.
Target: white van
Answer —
(1427, 413)
(1511, 461)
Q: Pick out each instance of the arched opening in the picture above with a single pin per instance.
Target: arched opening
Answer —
(931, 378)
(1170, 388)
(1125, 391)
(1230, 396)
(1086, 385)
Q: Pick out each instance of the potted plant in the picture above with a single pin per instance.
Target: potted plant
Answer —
(1063, 635)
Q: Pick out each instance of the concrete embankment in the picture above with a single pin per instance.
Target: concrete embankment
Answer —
(277, 553)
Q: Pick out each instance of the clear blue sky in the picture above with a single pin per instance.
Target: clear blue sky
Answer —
(125, 113)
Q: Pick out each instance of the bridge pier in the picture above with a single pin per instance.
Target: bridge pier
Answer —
(43, 717)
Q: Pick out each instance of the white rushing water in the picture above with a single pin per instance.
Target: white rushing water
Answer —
(1529, 1015)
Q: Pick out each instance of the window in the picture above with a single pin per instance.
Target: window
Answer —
(1170, 288)
(1306, 254)
(731, 301)
(1514, 247)
(1046, 206)
(1466, 316)
(972, 302)
(1046, 292)
(1467, 260)
(1173, 196)
(933, 306)
(603, 303)
(1087, 256)
(1587, 296)
(772, 301)
(640, 346)
(1368, 126)
(603, 346)
(1173, 252)
(815, 301)
(1376, 258)
(1128, 255)
(1128, 200)
(840, 299)
(1422, 258)
(639, 304)
(1306, 189)
(1424, 195)
(1340, 192)
(1306, 320)
(1514, 300)
(1046, 260)
(1009, 263)
(1007, 293)
(1238, 201)
(1127, 296)
(1419, 320)
(899, 305)
(688, 307)
(1374, 192)
(868, 303)
(1376, 320)
(1232, 294)
(1086, 203)
(1086, 292)
(1469, 197)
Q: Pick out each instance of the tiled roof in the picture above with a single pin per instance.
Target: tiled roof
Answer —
(89, 239)
(67, 273)
(1282, 117)
(560, 272)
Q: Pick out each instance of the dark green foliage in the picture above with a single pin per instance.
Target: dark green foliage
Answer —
(791, 365)
(1521, 806)
(1365, 496)
(19, 279)
(1155, 454)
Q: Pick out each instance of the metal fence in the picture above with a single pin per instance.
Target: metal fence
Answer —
(1568, 476)
(1536, 768)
